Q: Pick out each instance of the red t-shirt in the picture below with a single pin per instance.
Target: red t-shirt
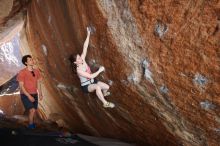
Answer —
(30, 81)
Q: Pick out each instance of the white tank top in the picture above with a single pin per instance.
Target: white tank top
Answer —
(85, 81)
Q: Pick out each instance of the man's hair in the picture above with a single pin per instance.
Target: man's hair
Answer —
(24, 59)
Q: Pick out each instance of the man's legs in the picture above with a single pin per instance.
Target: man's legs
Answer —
(33, 111)
(31, 116)
(31, 108)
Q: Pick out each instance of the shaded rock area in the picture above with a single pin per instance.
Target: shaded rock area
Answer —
(10, 86)
(10, 103)
(14, 132)
(162, 61)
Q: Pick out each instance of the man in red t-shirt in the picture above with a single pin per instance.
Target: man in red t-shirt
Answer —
(30, 88)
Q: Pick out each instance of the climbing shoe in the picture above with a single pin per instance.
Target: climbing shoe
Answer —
(109, 105)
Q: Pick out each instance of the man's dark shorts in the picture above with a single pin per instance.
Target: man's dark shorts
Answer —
(27, 103)
(85, 88)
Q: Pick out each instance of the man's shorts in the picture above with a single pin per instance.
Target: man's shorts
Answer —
(27, 103)
(85, 88)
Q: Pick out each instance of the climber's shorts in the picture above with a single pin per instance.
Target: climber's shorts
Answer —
(85, 88)
(27, 103)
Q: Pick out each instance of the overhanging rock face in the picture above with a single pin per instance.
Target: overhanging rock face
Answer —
(161, 60)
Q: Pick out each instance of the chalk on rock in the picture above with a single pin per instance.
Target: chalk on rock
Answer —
(200, 80)
(164, 89)
(147, 72)
(44, 49)
(160, 29)
(207, 105)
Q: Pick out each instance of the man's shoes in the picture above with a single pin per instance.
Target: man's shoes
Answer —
(31, 126)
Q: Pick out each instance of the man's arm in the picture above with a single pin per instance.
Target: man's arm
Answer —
(39, 81)
(21, 84)
(86, 44)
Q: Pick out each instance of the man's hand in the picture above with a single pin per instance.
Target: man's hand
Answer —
(40, 96)
(31, 98)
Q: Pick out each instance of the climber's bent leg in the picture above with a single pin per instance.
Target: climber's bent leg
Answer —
(104, 87)
(97, 88)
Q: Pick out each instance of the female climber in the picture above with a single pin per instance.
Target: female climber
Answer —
(87, 78)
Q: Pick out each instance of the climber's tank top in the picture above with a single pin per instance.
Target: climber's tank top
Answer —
(85, 81)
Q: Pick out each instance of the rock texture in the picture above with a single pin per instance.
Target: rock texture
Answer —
(11, 22)
(161, 59)
(10, 59)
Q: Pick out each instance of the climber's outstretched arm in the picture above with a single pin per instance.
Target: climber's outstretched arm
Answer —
(86, 44)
